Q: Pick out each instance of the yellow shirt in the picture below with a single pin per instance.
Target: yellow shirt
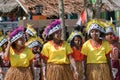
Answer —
(57, 56)
(96, 55)
(22, 59)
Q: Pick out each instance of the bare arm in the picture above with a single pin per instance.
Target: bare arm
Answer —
(7, 50)
(72, 62)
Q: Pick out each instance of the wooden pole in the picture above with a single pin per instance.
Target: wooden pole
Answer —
(61, 16)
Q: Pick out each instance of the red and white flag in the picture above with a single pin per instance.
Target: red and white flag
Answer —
(82, 18)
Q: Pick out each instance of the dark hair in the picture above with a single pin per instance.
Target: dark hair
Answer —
(13, 45)
(72, 41)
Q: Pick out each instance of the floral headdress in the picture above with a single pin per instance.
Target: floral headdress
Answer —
(34, 42)
(109, 27)
(52, 27)
(16, 34)
(73, 34)
(30, 30)
(95, 24)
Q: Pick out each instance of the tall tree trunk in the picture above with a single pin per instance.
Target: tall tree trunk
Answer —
(61, 16)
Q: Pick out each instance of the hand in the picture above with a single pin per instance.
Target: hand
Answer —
(9, 43)
(75, 75)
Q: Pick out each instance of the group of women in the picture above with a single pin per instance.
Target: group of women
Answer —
(25, 56)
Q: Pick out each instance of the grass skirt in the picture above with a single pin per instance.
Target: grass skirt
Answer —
(98, 72)
(19, 74)
(58, 72)
(79, 66)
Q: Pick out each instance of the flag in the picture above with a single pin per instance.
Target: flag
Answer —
(83, 18)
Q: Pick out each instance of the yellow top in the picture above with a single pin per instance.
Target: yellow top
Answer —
(57, 55)
(96, 55)
(22, 59)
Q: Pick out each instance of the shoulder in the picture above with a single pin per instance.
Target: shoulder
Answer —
(87, 42)
(105, 42)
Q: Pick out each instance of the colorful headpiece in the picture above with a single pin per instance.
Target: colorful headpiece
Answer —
(3, 40)
(34, 42)
(109, 27)
(52, 27)
(30, 30)
(73, 34)
(95, 24)
(16, 34)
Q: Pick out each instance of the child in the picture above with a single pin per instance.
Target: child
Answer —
(110, 37)
(4, 63)
(36, 47)
(76, 42)
(97, 52)
(20, 57)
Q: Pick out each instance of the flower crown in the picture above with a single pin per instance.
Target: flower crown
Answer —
(16, 34)
(52, 27)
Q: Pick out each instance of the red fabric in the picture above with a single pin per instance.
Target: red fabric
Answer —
(83, 16)
(77, 54)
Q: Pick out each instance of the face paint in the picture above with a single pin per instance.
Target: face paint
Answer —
(98, 34)
(56, 35)
(95, 34)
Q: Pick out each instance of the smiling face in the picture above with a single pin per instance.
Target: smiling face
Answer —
(95, 34)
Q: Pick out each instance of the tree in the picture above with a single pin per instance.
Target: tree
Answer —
(61, 16)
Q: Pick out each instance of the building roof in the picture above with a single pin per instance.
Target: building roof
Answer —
(50, 7)
(111, 5)
(7, 5)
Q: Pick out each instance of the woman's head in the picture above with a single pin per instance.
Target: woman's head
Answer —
(95, 29)
(20, 42)
(53, 29)
(17, 37)
(57, 35)
(109, 34)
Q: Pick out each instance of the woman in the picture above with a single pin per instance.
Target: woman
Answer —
(76, 41)
(20, 57)
(97, 52)
(110, 37)
(4, 64)
(57, 55)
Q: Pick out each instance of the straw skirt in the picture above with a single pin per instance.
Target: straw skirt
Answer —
(80, 69)
(58, 72)
(19, 74)
(98, 72)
